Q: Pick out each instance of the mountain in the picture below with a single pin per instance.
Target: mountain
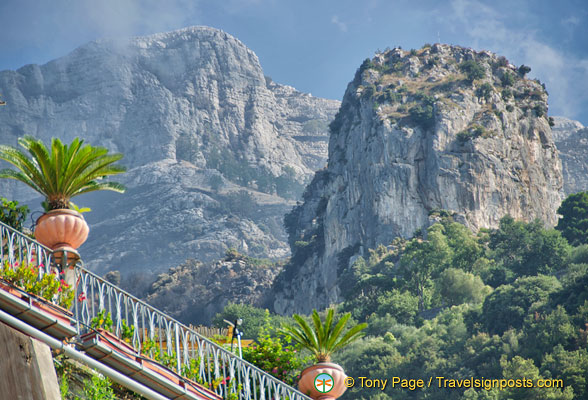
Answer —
(195, 292)
(217, 152)
(439, 130)
(571, 139)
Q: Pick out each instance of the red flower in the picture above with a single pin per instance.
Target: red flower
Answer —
(81, 297)
(225, 381)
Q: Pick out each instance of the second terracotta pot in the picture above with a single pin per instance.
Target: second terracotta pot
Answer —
(62, 229)
(308, 386)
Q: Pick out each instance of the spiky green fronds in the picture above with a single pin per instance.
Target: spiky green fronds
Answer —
(63, 171)
(323, 339)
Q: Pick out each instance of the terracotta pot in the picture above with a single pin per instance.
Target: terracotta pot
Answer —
(62, 230)
(307, 381)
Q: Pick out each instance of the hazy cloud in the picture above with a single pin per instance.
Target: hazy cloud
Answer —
(562, 73)
(338, 23)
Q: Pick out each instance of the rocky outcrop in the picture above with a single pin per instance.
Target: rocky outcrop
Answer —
(194, 292)
(571, 139)
(201, 129)
(443, 127)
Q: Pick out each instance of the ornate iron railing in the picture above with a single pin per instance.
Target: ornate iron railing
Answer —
(151, 333)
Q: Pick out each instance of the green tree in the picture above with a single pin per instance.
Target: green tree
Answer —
(465, 246)
(63, 171)
(421, 260)
(528, 248)
(403, 306)
(573, 223)
(571, 366)
(456, 287)
(508, 305)
(255, 320)
(473, 70)
(520, 368)
(544, 331)
(12, 214)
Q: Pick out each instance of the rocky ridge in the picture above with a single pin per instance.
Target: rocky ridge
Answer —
(440, 128)
(194, 292)
(203, 131)
(571, 139)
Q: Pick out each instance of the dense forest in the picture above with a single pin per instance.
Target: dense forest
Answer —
(509, 303)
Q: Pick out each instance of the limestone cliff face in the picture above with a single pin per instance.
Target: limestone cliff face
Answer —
(443, 127)
(571, 139)
(201, 129)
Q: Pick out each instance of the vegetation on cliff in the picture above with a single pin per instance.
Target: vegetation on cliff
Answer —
(505, 303)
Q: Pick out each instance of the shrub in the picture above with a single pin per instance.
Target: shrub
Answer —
(485, 90)
(539, 110)
(574, 222)
(502, 61)
(473, 132)
(464, 136)
(423, 114)
(524, 70)
(509, 108)
(472, 69)
(99, 388)
(506, 94)
(276, 357)
(508, 79)
(12, 214)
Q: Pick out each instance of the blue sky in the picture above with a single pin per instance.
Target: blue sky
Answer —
(317, 45)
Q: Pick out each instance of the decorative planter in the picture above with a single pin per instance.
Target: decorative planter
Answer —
(62, 231)
(49, 318)
(307, 381)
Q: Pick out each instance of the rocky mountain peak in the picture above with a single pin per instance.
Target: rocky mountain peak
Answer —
(440, 128)
(206, 136)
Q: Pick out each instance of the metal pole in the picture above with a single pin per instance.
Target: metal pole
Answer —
(72, 353)
(239, 344)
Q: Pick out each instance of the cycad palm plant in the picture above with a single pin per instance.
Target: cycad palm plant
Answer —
(322, 339)
(63, 171)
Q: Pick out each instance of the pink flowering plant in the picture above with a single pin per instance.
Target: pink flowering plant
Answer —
(51, 286)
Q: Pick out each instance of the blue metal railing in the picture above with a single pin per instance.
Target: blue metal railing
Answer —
(152, 333)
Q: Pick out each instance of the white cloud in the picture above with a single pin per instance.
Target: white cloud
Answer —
(564, 74)
(124, 18)
(338, 23)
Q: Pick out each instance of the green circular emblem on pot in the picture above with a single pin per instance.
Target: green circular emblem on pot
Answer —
(324, 383)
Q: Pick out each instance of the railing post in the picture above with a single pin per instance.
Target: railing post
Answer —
(177, 335)
(94, 294)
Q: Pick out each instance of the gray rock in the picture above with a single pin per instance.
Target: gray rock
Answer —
(571, 139)
(414, 135)
(195, 292)
(181, 106)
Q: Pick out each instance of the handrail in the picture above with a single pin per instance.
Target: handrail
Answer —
(17, 247)
(152, 332)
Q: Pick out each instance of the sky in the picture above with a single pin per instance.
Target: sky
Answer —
(316, 45)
